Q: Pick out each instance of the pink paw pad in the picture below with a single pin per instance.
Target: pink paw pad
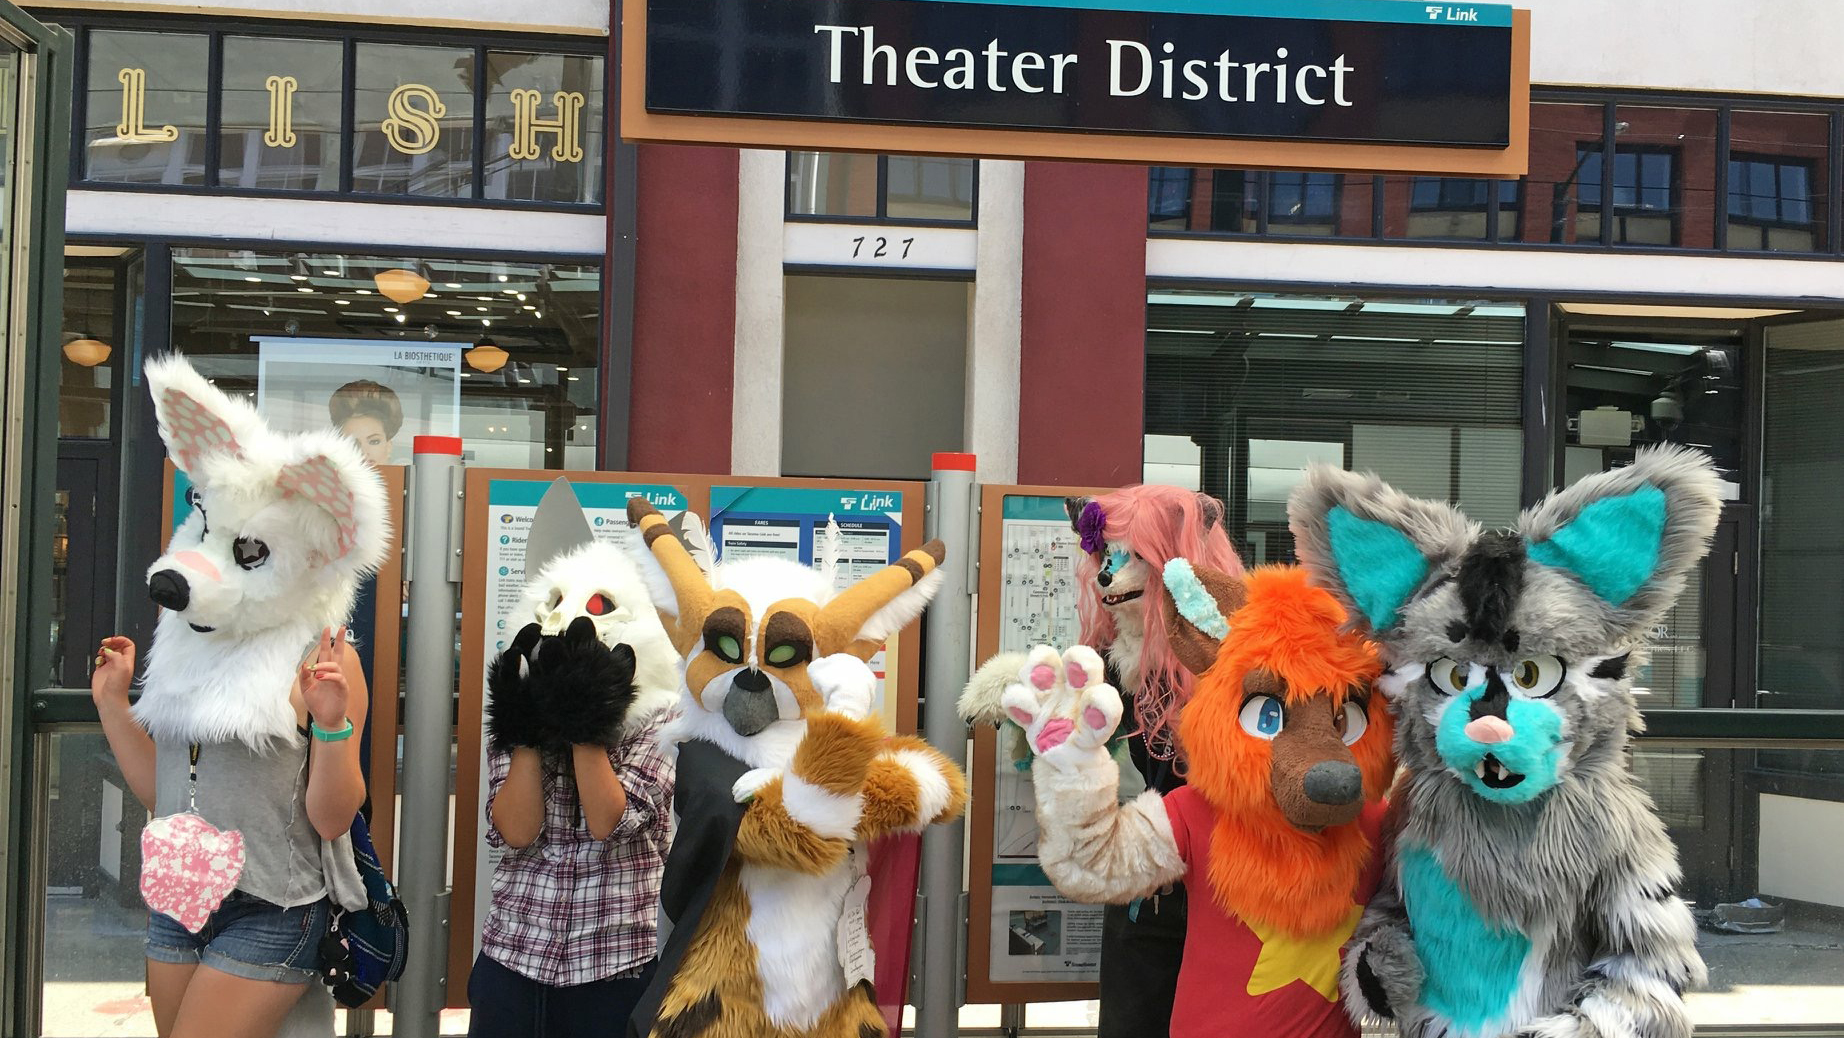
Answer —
(1043, 676)
(1018, 714)
(1055, 732)
(1094, 718)
(1077, 677)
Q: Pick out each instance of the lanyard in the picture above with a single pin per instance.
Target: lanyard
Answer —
(192, 779)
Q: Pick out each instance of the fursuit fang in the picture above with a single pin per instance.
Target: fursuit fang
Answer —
(1532, 887)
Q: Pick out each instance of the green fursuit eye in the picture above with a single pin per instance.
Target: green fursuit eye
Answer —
(783, 654)
(729, 648)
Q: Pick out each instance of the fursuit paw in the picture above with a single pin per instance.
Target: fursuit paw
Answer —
(744, 789)
(1066, 707)
(552, 693)
(1382, 974)
(846, 683)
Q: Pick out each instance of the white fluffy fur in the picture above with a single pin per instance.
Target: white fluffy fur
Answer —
(825, 812)
(793, 923)
(233, 679)
(932, 792)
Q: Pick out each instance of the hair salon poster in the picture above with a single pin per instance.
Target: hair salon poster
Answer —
(381, 394)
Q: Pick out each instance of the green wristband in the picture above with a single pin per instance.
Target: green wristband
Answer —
(325, 736)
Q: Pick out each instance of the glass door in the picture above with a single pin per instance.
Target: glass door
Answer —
(35, 95)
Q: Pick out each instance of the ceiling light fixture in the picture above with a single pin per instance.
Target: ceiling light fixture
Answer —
(87, 352)
(403, 286)
(486, 356)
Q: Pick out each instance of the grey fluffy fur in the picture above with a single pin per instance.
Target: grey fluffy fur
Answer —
(1585, 870)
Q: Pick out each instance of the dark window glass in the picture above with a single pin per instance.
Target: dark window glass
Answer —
(1779, 168)
(1168, 198)
(91, 350)
(1232, 201)
(1319, 204)
(544, 127)
(415, 113)
(280, 121)
(1447, 207)
(1563, 138)
(832, 184)
(146, 108)
(1644, 197)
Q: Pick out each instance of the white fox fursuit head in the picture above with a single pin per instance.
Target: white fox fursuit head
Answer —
(282, 530)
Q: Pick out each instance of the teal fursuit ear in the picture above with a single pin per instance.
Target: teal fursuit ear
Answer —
(1612, 545)
(1631, 535)
(1371, 545)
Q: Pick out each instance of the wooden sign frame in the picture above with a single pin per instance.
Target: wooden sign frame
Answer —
(638, 124)
(465, 915)
(981, 988)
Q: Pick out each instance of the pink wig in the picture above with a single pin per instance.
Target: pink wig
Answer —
(1159, 524)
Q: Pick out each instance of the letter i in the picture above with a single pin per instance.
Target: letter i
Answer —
(1280, 76)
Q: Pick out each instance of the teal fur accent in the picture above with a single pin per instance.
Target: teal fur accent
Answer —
(1193, 602)
(1535, 749)
(1472, 965)
(1380, 566)
(1612, 545)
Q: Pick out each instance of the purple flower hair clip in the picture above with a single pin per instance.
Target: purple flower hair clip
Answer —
(1090, 525)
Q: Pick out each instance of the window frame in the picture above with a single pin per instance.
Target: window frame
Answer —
(82, 22)
(1830, 193)
(1779, 165)
(882, 216)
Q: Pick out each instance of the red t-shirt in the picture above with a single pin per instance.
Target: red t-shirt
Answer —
(1232, 981)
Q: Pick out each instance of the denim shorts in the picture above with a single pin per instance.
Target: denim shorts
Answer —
(246, 937)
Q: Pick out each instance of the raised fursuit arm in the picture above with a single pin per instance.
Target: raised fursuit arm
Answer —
(1094, 848)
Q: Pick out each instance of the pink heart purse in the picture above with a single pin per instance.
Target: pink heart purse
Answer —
(188, 867)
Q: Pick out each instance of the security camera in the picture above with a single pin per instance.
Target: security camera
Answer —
(1668, 410)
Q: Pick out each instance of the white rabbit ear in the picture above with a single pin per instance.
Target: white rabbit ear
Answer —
(196, 420)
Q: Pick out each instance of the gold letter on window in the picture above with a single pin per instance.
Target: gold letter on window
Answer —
(281, 111)
(413, 130)
(133, 126)
(568, 126)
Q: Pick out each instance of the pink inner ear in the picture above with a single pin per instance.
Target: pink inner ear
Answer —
(317, 480)
(193, 431)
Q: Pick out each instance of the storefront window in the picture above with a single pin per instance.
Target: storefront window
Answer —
(1802, 521)
(502, 353)
(146, 108)
(1758, 845)
(544, 127)
(415, 111)
(280, 121)
(1779, 169)
(91, 339)
(881, 187)
(1426, 393)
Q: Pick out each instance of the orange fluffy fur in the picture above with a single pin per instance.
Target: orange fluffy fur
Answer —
(1261, 867)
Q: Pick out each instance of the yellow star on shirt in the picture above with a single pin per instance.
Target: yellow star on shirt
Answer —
(1314, 960)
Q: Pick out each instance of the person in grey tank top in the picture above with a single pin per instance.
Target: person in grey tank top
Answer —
(245, 969)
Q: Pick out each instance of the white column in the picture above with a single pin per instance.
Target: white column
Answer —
(755, 409)
(994, 342)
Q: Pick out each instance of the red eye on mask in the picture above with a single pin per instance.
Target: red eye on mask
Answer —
(599, 605)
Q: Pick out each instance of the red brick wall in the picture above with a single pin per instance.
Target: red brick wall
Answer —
(684, 310)
(1083, 365)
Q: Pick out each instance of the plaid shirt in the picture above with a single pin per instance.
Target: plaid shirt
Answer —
(570, 909)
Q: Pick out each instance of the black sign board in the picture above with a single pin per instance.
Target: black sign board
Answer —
(1322, 71)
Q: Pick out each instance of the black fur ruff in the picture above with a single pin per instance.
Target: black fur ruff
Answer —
(549, 694)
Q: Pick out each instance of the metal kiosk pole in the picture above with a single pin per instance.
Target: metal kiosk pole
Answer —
(428, 731)
(950, 646)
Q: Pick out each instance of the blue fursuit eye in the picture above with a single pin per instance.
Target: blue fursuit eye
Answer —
(1117, 560)
(1263, 717)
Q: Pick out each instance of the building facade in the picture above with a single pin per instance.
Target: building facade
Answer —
(247, 179)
